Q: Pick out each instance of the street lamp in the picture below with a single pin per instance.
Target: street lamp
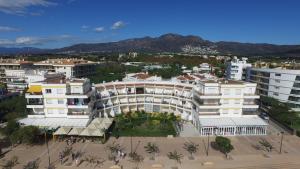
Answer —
(207, 145)
(281, 142)
(46, 141)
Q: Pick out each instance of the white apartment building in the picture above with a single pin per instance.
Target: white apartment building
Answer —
(236, 69)
(215, 107)
(203, 68)
(70, 100)
(12, 73)
(69, 67)
(281, 84)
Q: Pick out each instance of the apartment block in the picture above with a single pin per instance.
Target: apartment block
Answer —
(281, 84)
(236, 69)
(215, 107)
(60, 98)
(71, 68)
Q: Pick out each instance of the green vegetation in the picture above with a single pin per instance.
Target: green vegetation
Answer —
(223, 144)
(177, 157)
(191, 147)
(144, 124)
(11, 163)
(13, 108)
(111, 72)
(267, 146)
(152, 149)
(166, 73)
(17, 134)
(281, 112)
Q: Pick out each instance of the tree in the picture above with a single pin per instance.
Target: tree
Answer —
(32, 164)
(9, 164)
(267, 146)
(30, 134)
(152, 149)
(224, 145)
(11, 127)
(137, 159)
(191, 148)
(175, 156)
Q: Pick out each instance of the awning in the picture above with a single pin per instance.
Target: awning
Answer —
(54, 122)
(62, 131)
(35, 89)
(232, 121)
(75, 131)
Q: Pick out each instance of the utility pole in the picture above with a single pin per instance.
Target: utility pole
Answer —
(207, 145)
(281, 142)
(46, 141)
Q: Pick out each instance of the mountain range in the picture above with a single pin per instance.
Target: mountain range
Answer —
(170, 43)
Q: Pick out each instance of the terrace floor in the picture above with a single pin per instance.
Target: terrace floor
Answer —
(244, 155)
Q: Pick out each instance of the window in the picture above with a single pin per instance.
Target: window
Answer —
(49, 101)
(61, 111)
(277, 80)
(60, 101)
(238, 91)
(275, 93)
(225, 101)
(237, 101)
(277, 74)
(60, 91)
(226, 91)
(48, 90)
(277, 87)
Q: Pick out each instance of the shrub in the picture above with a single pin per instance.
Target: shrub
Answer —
(223, 144)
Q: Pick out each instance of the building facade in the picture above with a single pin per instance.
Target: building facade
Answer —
(60, 98)
(236, 69)
(281, 84)
(214, 107)
(71, 68)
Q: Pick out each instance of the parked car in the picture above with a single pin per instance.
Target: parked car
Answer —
(264, 116)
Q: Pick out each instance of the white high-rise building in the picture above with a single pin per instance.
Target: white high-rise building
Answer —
(236, 69)
(281, 84)
(60, 99)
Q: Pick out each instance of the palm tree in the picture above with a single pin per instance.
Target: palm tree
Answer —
(32, 164)
(11, 163)
(191, 148)
(176, 157)
(152, 149)
(137, 159)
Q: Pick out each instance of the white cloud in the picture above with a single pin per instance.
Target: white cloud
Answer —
(8, 29)
(33, 41)
(84, 27)
(20, 7)
(99, 29)
(118, 25)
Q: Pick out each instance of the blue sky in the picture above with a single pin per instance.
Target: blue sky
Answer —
(58, 23)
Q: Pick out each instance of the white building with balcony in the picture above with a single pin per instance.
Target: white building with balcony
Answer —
(215, 107)
(236, 69)
(57, 99)
(281, 84)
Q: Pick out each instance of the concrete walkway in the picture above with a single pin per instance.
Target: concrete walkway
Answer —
(189, 130)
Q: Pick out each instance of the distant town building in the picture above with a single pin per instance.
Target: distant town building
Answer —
(236, 69)
(71, 68)
(142, 76)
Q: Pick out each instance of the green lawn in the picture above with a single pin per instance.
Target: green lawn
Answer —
(144, 125)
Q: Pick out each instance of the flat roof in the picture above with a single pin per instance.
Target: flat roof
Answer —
(232, 121)
(55, 122)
